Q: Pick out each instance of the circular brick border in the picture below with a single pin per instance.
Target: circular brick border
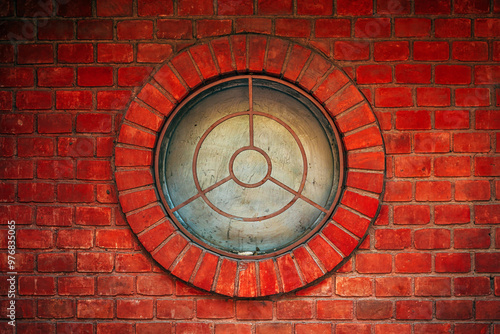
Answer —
(325, 251)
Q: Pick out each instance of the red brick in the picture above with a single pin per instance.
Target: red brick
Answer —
(453, 262)
(75, 53)
(436, 51)
(372, 28)
(452, 74)
(417, 74)
(7, 192)
(95, 29)
(38, 146)
(256, 25)
(487, 262)
(16, 169)
(56, 262)
(134, 309)
(373, 309)
(114, 53)
(36, 192)
(288, 272)
(33, 100)
(95, 76)
(38, 286)
(472, 286)
(133, 136)
(487, 214)
(93, 122)
(152, 53)
(294, 309)
(411, 215)
(325, 253)
(122, 328)
(413, 310)
(94, 262)
(307, 265)
(293, 27)
(75, 286)
(373, 263)
(393, 286)
(95, 308)
(155, 285)
(358, 286)
(432, 286)
(435, 97)
(56, 30)
(155, 8)
(432, 142)
(487, 119)
(99, 216)
(35, 54)
(175, 29)
(214, 309)
(472, 97)
(346, 328)
(310, 328)
(175, 309)
(208, 28)
(454, 309)
(412, 166)
(131, 76)
(412, 27)
(6, 53)
(365, 181)
(114, 8)
(113, 100)
(369, 137)
(54, 216)
(267, 7)
(452, 166)
(322, 7)
(7, 146)
(93, 170)
(452, 119)
(433, 191)
(277, 328)
(20, 213)
(368, 74)
(327, 28)
(354, 8)
(454, 28)
(5, 100)
(335, 309)
(472, 190)
(55, 76)
(400, 191)
(472, 142)
(392, 239)
(55, 123)
(397, 143)
(190, 7)
(16, 77)
(31, 238)
(393, 97)
(254, 310)
(114, 238)
(487, 309)
(452, 214)
(203, 59)
(74, 100)
(35, 327)
(432, 239)
(487, 74)
(347, 50)
(436, 7)
(115, 285)
(471, 238)
(413, 262)
(226, 7)
(134, 29)
(487, 27)
(132, 157)
(470, 51)
(75, 239)
(487, 166)
(471, 7)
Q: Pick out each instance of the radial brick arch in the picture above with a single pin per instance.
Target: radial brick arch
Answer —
(323, 252)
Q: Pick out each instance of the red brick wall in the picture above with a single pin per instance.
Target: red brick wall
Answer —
(431, 263)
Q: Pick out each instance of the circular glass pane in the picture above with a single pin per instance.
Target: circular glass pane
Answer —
(249, 166)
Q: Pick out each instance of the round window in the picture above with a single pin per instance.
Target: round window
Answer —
(249, 166)
(249, 185)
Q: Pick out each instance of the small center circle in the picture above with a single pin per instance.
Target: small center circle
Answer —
(250, 167)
